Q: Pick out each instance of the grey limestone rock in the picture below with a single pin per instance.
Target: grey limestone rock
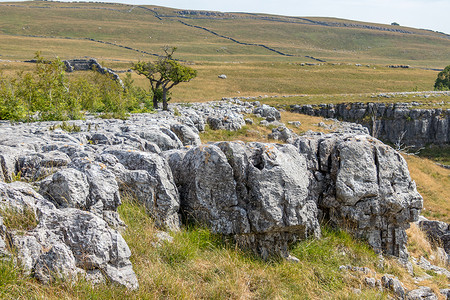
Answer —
(268, 112)
(186, 135)
(66, 242)
(445, 293)
(8, 162)
(85, 185)
(67, 188)
(36, 166)
(56, 263)
(422, 293)
(426, 265)
(394, 285)
(363, 186)
(163, 202)
(103, 187)
(230, 121)
(438, 232)
(165, 140)
(254, 192)
(282, 133)
(391, 122)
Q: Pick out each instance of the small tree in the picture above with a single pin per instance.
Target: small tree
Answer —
(164, 74)
(443, 80)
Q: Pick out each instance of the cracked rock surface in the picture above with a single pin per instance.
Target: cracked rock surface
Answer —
(264, 196)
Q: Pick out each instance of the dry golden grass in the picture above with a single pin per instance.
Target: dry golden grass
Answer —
(259, 133)
(433, 183)
(308, 122)
(418, 244)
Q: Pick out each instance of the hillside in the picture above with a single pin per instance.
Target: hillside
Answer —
(77, 29)
(261, 54)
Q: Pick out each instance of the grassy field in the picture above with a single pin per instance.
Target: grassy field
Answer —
(141, 29)
(77, 30)
(433, 183)
(254, 79)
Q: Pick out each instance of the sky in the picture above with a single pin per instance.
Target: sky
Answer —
(425, 14)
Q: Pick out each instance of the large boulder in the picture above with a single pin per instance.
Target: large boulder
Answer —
(255, 192)
(186, 135)
(65, 243)
(86, 185)
(67, 188)
(363, 186)
(282, 133)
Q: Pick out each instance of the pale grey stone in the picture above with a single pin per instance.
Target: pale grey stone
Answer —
(364, 186)
(282, 133)
(186, 135)
(422, 293)
(268, 112)
(67, 188)
(165, 202)
(254, 192)
(394, 285)
(66, 241)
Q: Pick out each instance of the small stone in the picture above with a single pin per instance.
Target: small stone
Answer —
(370, 282)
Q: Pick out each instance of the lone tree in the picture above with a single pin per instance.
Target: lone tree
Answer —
(443, 80)
(164, 74)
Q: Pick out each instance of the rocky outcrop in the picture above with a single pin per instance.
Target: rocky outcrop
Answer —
(270, 113)
(162, 202)
(266, 195)
(364, 186)
(66, 243)
(255, 192)
(263, 196)
(396, 123)
(282, 133)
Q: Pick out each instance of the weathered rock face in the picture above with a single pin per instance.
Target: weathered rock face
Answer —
(255, 192)
(393, 123)
(66, 242)
(364, 186)
(90, 64)
(268, 112)
(162, 201)
(230, 122)
(438, 232)
(282, 133)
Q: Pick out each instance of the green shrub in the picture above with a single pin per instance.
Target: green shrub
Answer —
(443, 80)
(47, 93)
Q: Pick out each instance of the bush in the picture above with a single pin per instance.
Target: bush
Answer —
(443, 80)
(47, 93)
